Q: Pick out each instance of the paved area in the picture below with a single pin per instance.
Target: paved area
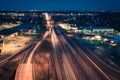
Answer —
(15, 44)
(8, 26)
(24, 72)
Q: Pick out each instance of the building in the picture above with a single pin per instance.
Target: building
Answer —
(86, 30)
(103, 29)
(96, 30)
(74, 29)
(18, 29)
(8, 33)
(65, 26)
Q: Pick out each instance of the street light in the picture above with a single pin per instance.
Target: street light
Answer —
(21, 32)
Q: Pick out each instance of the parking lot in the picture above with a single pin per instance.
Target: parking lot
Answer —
(15, 44)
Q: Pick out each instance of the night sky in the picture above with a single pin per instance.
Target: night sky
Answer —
(60, 4)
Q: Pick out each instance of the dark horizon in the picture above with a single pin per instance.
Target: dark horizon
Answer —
(54, 5)
(35, 10)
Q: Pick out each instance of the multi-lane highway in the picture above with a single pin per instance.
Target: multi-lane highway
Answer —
(63, 66)
(70, 60)
(84, 66)
(17, 55)
(108, 70)
(81, 68)
(25, 70)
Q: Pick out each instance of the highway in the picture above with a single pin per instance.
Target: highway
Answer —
(84, 71)
(70, 60)
(64, 70)
(24, 70)
(111, 72)
(17, 55)
(14, 61)
(75, 63)
(64, 60)
(87, 67)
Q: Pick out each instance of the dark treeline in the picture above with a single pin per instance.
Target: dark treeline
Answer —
(95, 19)
(80, 18)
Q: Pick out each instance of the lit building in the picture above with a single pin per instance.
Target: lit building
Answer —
(6, 33)
(65, 26)
(84, 30)
(95, 30)
(103, 29)
(74, 29)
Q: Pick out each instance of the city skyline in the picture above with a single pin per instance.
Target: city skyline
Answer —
(60, 5)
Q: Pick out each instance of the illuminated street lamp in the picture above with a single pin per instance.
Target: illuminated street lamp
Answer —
(21, 32)
(98, 37)
(105, 40)
(34, 31)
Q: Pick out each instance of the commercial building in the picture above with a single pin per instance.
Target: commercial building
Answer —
(96, 30)
(8, 33)
(102, 29)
